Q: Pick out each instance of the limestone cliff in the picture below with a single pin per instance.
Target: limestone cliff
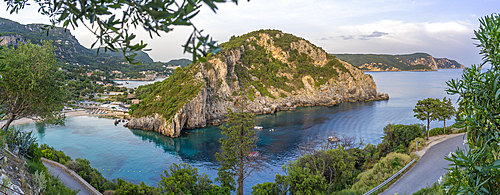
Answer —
(261, 72)
(434, 63)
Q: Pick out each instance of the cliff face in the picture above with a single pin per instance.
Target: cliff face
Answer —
(378, 67)
(407, 62)
(261, 72)
(434, 63)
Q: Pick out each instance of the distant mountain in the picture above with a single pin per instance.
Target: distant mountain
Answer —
(180, 62)
(407, 62)
(141, 56)
(70, 53)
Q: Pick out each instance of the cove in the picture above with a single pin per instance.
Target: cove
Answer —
(137, 155)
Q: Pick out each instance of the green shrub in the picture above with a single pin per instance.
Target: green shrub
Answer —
(385, 168)
(50, 153)
(412, 145)
(91, 175)
(36, 165)
(55, 186)
(449, 130)
(400, 136)
(434, 189)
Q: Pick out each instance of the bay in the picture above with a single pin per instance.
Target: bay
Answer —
(136, 155)
(135, 84)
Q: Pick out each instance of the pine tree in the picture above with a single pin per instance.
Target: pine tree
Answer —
(446, 111)
(427, 109)
(235, 159)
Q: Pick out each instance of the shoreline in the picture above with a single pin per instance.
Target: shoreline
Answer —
(68, 114)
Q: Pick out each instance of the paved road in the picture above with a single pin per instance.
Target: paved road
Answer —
(428, 169)
(66, 179)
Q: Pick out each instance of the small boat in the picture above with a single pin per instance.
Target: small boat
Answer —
(333, 139)
(254, 154)
(258, 127)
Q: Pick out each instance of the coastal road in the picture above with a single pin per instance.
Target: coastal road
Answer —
(66, 179)
(428, 169)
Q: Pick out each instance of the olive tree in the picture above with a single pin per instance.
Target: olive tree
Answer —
(32, 87)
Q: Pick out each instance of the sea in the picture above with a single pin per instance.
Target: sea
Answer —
(137, 155)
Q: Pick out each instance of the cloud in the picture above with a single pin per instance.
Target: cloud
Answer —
(407, 33)
(344, 37)
(375, 34)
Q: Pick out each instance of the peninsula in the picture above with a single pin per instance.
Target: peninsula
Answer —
(405, 62)
(260, 72)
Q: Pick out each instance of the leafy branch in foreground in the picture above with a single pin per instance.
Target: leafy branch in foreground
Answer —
(476, 170)
(111, 20)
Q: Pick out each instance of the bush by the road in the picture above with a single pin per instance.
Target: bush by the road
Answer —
(412, 145)
(385, 168)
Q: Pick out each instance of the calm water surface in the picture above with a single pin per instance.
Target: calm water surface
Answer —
(137, 155)
(135, 84)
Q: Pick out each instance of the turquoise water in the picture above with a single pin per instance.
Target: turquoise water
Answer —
(135, 84)
(118, 152)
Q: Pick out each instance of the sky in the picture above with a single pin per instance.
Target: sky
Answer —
(442, 28)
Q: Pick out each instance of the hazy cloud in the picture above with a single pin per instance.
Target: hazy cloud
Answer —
(375, 34)
(344, 37)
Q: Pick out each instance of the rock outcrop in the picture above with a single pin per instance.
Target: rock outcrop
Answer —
(434, 63)
(234, 80)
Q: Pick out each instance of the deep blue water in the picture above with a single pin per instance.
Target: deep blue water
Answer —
(137, 155)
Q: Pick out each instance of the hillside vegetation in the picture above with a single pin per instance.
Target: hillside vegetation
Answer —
(285, 74)
(407, 62)
(169, 96)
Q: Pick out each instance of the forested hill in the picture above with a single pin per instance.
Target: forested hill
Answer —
(141, 56)
(406, 62)
(70, 53)
(181, 62)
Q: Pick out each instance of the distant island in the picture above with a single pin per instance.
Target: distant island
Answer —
(405, 62)
(261, 72)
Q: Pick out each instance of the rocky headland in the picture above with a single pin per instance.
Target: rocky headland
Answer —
(261, 72)
(406, 62)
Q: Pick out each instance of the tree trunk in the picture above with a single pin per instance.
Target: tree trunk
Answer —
(240, 170)
(6, 126)
(444, 127)
(428, 126)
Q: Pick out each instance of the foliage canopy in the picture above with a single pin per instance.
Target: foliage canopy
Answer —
(32, 87)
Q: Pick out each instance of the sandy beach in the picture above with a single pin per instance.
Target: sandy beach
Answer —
(67, 113)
